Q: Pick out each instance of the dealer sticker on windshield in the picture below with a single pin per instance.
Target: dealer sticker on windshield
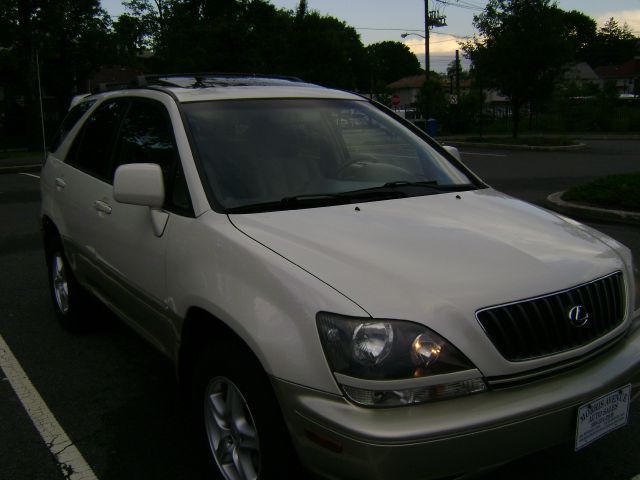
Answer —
(603, 415)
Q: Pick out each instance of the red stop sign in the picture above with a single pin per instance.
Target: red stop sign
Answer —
(395, 100)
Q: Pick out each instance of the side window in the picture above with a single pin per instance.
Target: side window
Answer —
(147, 136)
(69, 121)
(92, 149)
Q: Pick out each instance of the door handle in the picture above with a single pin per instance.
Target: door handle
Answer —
(102, 207)
(60, 184)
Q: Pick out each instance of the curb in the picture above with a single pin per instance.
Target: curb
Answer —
(507, 146)
(21, 168)
(555, 202)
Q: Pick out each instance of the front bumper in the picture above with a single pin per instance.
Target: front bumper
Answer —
(338, 440)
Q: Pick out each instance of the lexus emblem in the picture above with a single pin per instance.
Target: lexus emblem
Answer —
(578, 316)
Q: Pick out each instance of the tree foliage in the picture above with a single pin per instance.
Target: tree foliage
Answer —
(612, 44)
(522, 49)
(68, 38)
(389, 61)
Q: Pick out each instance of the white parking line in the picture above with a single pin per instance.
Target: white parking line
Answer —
(68, 457)
(29, 175)
(484, 154)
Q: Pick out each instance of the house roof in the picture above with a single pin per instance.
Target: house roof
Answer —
(580, 71)
(628, 69)
(414, 81)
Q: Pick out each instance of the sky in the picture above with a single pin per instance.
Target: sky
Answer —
(379, 20)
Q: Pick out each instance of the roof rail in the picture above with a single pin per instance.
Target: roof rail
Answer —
(203, 75)
(200, 79)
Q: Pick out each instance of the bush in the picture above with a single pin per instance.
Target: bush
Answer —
(621, 192)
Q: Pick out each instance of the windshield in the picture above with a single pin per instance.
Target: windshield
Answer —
(266, 153)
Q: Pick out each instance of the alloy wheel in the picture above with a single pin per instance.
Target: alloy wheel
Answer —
(231, 431)
(60, 284)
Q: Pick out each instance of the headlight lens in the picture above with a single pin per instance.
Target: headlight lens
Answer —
(372, 342)
(368, 349)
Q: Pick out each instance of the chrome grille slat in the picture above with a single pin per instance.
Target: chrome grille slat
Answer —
(540, 327)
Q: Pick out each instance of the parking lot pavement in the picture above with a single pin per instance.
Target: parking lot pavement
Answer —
(23, 454)
(64, 453)
(113, 395)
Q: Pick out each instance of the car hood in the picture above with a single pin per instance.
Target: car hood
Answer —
(435, 259)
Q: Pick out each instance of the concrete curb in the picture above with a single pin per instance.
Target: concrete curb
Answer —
(555, 202)
(506, 146)
(21, 168)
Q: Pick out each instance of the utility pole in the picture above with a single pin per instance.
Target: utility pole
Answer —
(431, 19)
(458, 74)
(427, 65)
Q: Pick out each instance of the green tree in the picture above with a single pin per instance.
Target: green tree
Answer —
(432, 99)
(613, 44)
(522, 49)
(389, 61)
(581, 31)
(301, 11)
(69, 38)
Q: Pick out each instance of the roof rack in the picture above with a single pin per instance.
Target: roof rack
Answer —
(196, 80)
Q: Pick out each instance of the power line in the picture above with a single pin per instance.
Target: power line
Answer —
(412, 30)
(461, 4)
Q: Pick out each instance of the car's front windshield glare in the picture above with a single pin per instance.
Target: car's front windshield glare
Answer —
(259, 151)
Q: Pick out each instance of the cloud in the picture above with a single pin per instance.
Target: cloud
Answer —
(438, 44)
(630, 17)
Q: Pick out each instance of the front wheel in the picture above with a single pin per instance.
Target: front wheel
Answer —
(239, 419)
(231, 430)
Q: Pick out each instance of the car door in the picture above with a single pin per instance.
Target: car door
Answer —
(81, 180)
(131, 249)
(114, 247)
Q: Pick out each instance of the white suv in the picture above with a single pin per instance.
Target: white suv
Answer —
(330, 281)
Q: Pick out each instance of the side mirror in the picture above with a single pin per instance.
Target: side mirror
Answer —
(139, 184)
(453, 151)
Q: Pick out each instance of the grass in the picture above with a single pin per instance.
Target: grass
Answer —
(620, 192)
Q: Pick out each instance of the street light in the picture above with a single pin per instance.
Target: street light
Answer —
(405, 35)
(427, 66)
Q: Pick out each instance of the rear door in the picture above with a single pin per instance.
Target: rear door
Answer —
(83, 179)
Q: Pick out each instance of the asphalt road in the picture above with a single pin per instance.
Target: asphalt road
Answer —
(116, 398)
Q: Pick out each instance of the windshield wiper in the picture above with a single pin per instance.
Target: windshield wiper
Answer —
(433, 184)
(387, 191)
(402, 183)
(393, 189)
(292, 203)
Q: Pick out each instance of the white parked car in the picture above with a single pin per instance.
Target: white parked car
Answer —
(336, 289)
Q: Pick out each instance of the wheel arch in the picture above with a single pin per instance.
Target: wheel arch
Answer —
(200, 330)
(49, 229)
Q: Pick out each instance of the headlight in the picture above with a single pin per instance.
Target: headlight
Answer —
(393, 362)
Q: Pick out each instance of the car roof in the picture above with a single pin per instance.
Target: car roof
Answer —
(187, 88)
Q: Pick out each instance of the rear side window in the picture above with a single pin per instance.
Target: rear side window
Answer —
(92, 149)
(69, 122)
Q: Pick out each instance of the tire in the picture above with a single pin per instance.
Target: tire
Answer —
(238, 419)
(70, 300)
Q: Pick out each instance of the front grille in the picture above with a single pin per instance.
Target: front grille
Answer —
(541, 326)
